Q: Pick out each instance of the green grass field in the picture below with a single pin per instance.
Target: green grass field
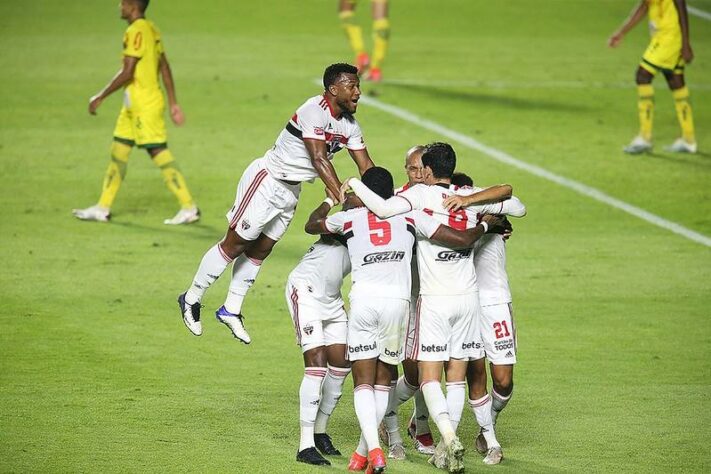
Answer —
(97, 372)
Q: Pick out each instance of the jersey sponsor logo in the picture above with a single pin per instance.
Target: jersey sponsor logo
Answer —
(433, 348)
(471, 345)
(318, 131)
(390, 353)
(362, 348)
(383, 257)
(503, 345)
(453, 255)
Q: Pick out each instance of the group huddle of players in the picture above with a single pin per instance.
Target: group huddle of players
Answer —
(429, 284)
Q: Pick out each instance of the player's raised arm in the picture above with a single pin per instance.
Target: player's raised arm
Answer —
(686, 52)
(121, 78)
(635, 17)
(383, 208)
(176, 112)
(490, 195)
(362, 160)
(319, 158)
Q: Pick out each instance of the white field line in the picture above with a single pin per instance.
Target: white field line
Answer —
(700, 13)
(503, 157)
(529, 85)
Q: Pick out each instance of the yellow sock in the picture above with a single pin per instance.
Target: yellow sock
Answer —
(645, 104)
(381, 36)
(353, 31)
(173, 178)
(683, 113)
(115, 173)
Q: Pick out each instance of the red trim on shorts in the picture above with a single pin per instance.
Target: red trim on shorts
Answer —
(295, 318)
(416, 341)
(223, 254)
(251, 191)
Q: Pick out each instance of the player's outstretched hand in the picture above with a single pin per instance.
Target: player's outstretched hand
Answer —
(497, 224)
(345, 187)
(177, 115)
(94, 103)
(454, 203)
(614, 40)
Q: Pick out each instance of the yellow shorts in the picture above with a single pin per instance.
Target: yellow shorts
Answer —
(663, 54)
(143, 126)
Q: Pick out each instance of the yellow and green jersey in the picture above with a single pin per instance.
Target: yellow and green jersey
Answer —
(142, 40)
(663, 17)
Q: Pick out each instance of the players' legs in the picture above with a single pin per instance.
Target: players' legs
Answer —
(430, 377)
(245, 271)
(645, 107)
(175, 182)
(480, 404)
(381, 37)
(680, 93)
(502, 389)
(455, 373)
(116, 172)
(338, 370)
(354, 33)
(310, 393)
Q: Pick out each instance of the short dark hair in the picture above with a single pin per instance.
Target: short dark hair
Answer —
(441, 159)
(379, 180)
(142, 4)
(461, 180)
(330, 75)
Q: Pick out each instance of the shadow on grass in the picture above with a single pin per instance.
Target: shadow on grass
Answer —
(698, 160)
(193, 231)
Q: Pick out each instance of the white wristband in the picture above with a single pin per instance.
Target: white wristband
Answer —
(486, 226)
(329, 201)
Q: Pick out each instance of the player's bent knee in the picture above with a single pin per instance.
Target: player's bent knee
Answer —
(120, 151)
(315, 357)
(643, 76)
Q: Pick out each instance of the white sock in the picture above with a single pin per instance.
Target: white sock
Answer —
(456, 394)
(309, 394)
(422, 415)
(437, 405)
(365, 408)
(212, 265)
(331, 392)
(382, 395)
(498, 403)
(390, 419)
(482, 412)
(244, 272)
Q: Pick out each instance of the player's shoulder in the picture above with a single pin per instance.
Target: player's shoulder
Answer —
(139, 25)
(316, 103)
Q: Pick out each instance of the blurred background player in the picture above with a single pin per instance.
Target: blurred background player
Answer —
(140, 122)
(381, 36)
(668, 51)
(269, 190)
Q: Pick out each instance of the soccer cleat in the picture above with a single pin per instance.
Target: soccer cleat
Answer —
(184, 216)
(357, 462)
(638, 145)
(374, 75)
(396, 451)
(325, 445)
(480, 443)
(311, 456)
(93, 213)
(494, 456)
(362, 62)
(424, 444)
(439, 456)
(681, 146)
(376, 461)
(191, 315)
(455, 456)
(235, 322)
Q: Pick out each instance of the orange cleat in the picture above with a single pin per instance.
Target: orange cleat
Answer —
(357, 462)
(376, 461)
(362, 62)
(374, 75)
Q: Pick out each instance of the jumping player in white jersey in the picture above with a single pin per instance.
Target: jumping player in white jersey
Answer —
(449, 301)
(498, 334)
(313, 296)
(269, 189)
(380, 252)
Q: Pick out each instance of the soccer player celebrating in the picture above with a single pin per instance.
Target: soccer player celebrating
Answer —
(668, 51)
(354, 33)
(140, 122)
(269, 190)
(380, 253)
(313, 295)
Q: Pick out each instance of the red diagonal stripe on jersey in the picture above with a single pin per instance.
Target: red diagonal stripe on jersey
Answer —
(251, 190)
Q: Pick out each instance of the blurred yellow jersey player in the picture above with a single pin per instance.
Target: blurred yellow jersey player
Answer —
(369, 65)
(140, 122)
(669, 51)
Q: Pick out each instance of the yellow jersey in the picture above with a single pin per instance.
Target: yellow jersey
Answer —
(142, 40)
(663, 17)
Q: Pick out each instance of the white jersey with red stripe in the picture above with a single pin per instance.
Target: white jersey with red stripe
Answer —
(380, 249)
(289, 160)
(321, 270)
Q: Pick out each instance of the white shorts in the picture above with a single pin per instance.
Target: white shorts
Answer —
(498, 333)
(409, 334)
(375, 329)
(263, 204)
(316, 323)
(446, 328)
